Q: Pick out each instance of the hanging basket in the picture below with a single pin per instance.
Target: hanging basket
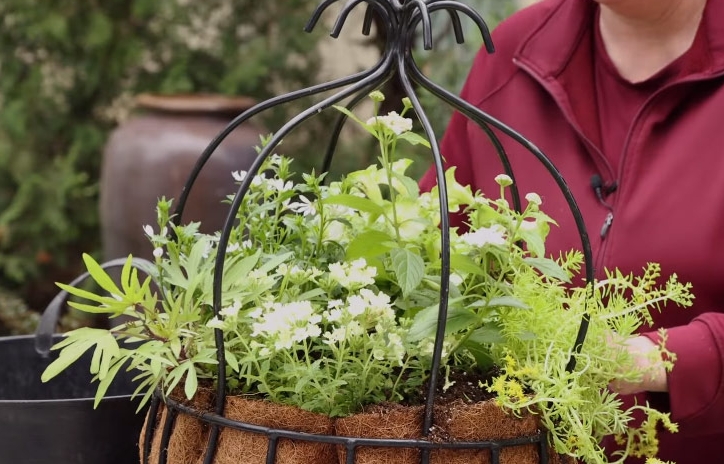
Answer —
(458, 433)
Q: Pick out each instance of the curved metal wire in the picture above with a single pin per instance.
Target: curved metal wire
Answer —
(401, 18)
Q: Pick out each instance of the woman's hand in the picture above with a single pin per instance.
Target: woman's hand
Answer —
(646, 355)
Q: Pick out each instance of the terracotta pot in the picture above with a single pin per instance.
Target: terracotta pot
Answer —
(189, 437)
(151, 155)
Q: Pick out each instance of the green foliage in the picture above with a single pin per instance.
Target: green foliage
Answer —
(330, 297)
(69, 72)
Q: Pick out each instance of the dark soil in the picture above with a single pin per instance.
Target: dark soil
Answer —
(466, 386)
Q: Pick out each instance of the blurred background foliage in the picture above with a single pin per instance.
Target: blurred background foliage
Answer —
(69, 71)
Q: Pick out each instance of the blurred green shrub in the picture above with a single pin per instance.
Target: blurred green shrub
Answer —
(68, 73)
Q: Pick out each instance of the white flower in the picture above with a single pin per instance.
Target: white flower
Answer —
(393, 122)
(305, 207)
(239, 176)
(231, 311)
(148, 230)
(215, 323)
(232, 247)
(335, 336)
(503, 180)
(158, 252)
(494, 235)
(280, 186)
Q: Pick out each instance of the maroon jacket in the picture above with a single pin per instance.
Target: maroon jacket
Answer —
(669, 203)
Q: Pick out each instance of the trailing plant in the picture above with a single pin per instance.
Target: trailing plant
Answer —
(330, 298)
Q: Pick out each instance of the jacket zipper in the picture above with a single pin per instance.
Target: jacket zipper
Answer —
(608, 221)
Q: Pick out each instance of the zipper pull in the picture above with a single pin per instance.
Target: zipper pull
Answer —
(607, 224)
(598, 189)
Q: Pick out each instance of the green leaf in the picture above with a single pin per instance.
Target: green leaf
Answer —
(481, 354)
(77, 344)
(369, 244)
(533, 240)
(507, 301)
(409, 269)
(490, 333)
(240, 268)
(412, 188)
(357, 203)
(275, 261)
(106, 381)
(354, 117)
(192, 383)
(464, 263)
(414, 139)
(425, 321)
(93, 309)
(549, 268)
(100, 276)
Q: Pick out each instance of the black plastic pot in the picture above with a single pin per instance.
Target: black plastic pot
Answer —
(54, 422)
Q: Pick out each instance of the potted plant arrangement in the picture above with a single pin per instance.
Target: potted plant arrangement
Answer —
(330, 296)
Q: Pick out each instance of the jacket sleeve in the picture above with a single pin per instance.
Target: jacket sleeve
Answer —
(696, 383)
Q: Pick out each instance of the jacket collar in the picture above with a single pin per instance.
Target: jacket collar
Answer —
(548, 49)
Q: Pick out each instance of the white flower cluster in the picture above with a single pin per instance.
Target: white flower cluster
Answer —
(357, 316)
(286, 324)
(353, 275)
(393, 121)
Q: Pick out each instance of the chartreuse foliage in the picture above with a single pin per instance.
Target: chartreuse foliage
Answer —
(330, 301)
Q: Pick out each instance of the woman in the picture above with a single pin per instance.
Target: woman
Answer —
(627, 99)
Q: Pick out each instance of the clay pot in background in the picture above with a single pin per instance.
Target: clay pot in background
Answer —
(152, 154)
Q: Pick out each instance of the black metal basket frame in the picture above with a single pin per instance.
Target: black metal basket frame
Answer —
(401, 19)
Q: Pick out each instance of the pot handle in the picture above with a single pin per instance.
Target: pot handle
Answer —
(51, 315)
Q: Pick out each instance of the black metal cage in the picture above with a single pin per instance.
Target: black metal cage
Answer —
(401, 18)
